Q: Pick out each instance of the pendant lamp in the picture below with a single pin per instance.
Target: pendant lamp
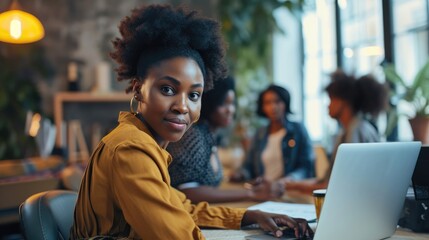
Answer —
(17, 26)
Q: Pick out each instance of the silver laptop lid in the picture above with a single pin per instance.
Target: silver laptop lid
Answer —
(367, 189)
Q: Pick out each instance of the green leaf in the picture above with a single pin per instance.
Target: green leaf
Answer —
(422, 80)
(392, 75)
(417, 93)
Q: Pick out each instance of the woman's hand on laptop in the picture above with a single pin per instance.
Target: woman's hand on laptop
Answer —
(272, 222)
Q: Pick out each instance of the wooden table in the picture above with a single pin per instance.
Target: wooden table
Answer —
(217, 234)
(291, 197)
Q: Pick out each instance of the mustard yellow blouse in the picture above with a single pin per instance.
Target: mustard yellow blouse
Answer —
(126, 192)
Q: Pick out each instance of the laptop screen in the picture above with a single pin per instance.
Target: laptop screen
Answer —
(420, 176)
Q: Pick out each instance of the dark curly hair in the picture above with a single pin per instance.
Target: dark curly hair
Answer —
(283, 94)
(364, 94)
(216, 96)
(155, 28)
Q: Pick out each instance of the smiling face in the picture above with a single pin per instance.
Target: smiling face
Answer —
(171, 98)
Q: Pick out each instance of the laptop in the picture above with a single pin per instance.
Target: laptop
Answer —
(366, 192)
(420, 177)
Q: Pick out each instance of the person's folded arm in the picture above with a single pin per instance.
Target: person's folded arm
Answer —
(211, 194)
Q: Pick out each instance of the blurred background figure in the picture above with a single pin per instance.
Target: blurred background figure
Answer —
(282, 150)
(355, 104)
(196, 169)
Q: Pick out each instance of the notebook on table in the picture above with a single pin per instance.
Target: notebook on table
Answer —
(366, 192)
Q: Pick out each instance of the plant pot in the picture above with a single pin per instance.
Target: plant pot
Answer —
(420, 128)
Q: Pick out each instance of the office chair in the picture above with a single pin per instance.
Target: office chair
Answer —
(48, 215)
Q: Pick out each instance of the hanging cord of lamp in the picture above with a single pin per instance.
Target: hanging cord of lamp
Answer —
(17, 26)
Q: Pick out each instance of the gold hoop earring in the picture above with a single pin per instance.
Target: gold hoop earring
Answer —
(131, 105)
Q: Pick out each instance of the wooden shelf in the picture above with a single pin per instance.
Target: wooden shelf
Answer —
(103, 107)
(90, 97)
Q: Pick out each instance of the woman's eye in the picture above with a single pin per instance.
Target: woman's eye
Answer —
(167, 90)
(194, 96)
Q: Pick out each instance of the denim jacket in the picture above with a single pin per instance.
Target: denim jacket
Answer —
(298, 159)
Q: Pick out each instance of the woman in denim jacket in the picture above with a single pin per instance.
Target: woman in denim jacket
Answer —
(281, 151)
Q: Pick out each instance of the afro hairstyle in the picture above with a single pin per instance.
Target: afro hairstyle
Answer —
(364, 94)
(156, 27)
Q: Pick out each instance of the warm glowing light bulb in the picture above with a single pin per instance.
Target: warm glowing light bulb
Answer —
(15, 28)
(20, 27)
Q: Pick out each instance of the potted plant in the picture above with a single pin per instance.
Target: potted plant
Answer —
(20, 65)
(416, 95)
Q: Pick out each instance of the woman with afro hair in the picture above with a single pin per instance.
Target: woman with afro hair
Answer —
(354, 103)
(170, 57)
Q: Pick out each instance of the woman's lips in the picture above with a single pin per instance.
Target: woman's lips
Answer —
(177, 124)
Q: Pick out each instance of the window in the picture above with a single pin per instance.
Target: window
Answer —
(361, 37)
(320, 60)
(410, 29)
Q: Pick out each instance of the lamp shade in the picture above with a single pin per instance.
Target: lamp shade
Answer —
(19, 27)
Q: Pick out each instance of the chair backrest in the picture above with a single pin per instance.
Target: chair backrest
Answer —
(48, 215)
(322, 162)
